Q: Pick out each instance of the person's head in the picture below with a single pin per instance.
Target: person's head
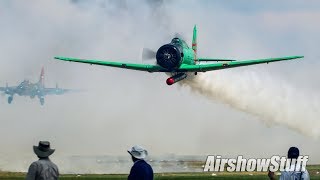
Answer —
(43, 150)
(138, 153)
(293, 153)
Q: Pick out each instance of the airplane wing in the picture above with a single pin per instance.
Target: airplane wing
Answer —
(232, 64)
(7, 89)
(138, 67)
(57, 91)
(215, 59)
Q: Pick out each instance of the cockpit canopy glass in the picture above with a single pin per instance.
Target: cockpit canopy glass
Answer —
(175, 41)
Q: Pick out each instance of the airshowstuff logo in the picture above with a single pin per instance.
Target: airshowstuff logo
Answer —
(275, 163)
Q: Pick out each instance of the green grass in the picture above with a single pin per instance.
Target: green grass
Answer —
(164, 176)
(313, 169)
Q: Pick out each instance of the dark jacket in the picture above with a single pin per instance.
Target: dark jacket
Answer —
(141, 170)
(43, 169)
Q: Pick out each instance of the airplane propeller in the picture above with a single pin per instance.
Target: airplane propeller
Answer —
(148, 54)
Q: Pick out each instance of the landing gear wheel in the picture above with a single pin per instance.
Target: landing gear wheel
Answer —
(10, 98)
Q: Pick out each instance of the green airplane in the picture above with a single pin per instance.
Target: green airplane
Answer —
(179, 60)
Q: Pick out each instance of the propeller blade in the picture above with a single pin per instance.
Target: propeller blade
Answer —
(148, 54)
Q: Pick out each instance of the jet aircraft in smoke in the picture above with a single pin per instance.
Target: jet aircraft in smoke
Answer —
(26, 88)
(179, 60)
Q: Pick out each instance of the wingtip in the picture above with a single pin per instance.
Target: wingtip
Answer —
(297, 57)
(60, 58)
(77, 90)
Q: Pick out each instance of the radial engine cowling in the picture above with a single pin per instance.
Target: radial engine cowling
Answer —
(169, 56)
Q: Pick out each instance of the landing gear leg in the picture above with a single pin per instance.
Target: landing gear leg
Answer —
(42, 101)
(10, 98)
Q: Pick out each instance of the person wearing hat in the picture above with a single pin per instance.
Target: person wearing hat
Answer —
(293, 153)
(43, 168)
(140, 170)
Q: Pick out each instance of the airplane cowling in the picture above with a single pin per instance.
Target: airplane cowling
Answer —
(169, 56)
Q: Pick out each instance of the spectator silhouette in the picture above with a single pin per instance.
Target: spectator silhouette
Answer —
(293, 153)
(43, 169)
(140, 170)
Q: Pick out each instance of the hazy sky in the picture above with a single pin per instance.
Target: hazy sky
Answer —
(121, 108)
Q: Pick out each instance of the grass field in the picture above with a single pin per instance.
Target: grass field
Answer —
(164, 176)
(169, 176)
(313, 171)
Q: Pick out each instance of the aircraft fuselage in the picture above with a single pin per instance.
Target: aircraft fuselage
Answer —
(173, 55)
(26, 89)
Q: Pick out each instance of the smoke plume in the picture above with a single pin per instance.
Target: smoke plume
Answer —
(266, 97)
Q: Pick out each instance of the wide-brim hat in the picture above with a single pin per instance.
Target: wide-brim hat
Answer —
(138, 152)
(43, 150)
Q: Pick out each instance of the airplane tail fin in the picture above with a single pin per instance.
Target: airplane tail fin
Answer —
(194, 39)
(41, 80)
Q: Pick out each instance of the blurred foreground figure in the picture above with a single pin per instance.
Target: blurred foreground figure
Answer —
(140, 170)
(293, 153)
(43, 169)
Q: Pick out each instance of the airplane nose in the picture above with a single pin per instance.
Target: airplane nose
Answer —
(168, 56)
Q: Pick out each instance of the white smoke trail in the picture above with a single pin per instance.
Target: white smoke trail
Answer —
(259, 94)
